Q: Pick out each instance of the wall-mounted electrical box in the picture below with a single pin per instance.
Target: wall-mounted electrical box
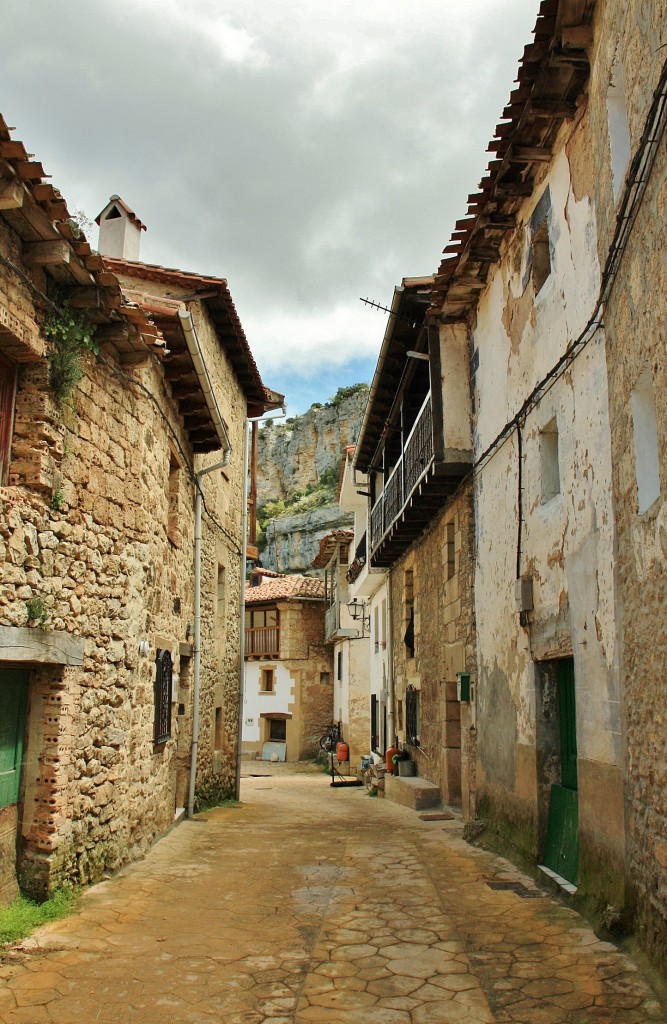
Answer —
(523, 594)
(463, 687)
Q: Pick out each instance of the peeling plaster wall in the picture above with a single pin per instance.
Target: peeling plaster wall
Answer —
(636, 320)
(567, 539)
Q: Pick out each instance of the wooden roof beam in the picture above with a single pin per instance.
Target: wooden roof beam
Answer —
(530, 154)
(12, 194)
(39, 254)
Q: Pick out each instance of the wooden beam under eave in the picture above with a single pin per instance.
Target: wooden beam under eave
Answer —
(11, 195)
(85, 298)
(577, 37)
(530, 155)
(40, 254)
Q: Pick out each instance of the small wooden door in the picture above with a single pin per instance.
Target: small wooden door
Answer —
(13, 703)
(562, 846)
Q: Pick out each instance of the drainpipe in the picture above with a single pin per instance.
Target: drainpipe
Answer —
(197, 357)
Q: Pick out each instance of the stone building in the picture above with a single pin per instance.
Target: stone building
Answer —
(102, 458)
(287, 694)
(415, 448)
(627, 108)
(555, 279)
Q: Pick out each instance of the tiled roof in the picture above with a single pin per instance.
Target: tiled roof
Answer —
(552, 75)
(286, 588)
(214, 293)
(328, 545)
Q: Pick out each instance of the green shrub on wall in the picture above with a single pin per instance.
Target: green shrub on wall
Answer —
(70, 334)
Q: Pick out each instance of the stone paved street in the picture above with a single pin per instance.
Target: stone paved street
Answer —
(308, 904)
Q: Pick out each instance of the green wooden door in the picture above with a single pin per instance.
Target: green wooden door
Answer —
(13, 702)
(562, 846)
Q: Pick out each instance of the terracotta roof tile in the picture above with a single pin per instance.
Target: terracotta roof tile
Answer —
(286, 588)
(328, 545)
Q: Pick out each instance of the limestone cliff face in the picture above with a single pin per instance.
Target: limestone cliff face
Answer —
(292, 542)
(292, 456)
(296, 457)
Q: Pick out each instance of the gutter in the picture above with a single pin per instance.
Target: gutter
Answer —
(194, 348)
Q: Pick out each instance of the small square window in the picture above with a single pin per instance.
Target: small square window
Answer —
(549, 460)
(268, 680)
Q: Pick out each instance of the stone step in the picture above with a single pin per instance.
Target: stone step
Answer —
(414, 792)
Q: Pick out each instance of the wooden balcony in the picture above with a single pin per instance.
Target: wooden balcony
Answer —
(262, 642)
(414, 492)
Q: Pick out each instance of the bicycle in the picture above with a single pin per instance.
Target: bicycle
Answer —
(332, 737)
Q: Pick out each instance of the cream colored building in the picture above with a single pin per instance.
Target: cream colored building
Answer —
(288, 688)
(553, 281)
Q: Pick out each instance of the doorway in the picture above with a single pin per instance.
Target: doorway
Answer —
(561, 852)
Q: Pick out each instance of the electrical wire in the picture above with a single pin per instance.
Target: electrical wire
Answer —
(635, 187)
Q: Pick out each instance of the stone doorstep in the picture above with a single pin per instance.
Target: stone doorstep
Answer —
(563, 883)
(412, 791)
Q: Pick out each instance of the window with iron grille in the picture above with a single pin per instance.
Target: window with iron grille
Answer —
(412, 716)
(163, 674)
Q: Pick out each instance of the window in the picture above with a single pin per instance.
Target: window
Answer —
(277, 730)
(412, 716)
(550, 486)
(267, 683)
(409, 610)
(325, 678)
(376, 629)
(163, 680)
(220, 599)
(619, 130)
(339, 671)
(262, 632)
(540, 243)
(645, 435)
(383, 621)
(218, 729)
(451, 561)
(7, 396)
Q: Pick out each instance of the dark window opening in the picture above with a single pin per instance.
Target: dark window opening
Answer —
(113, 214)
(163, 684)
(277, 730)
(412, 716)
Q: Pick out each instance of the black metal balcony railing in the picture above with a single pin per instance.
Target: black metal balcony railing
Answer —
(412, 465)
(262, 640)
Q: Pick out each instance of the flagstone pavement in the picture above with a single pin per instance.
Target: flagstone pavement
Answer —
(307, 905)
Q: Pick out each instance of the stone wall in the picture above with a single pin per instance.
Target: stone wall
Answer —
(441, 564)
(88, 528)
(635, 321)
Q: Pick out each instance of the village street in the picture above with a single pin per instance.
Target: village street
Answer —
(307, 904)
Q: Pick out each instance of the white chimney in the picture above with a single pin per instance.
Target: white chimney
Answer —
(120, 231)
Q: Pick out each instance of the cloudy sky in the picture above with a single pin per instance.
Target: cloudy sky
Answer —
(310, 152)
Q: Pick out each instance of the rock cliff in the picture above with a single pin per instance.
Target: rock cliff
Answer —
(298, 463)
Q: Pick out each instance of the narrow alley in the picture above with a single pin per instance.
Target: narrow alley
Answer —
(307, 904)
